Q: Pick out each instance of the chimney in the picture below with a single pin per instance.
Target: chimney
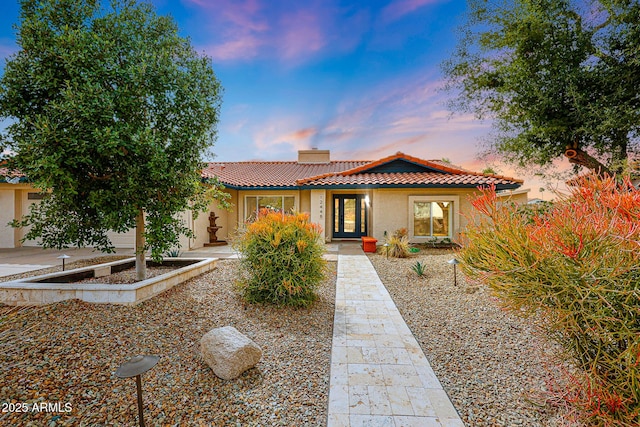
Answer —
(313, 156)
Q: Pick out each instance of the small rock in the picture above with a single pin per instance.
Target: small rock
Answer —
(228, 352)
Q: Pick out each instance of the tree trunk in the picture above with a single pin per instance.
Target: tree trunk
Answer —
(578, 157)
(141, 262)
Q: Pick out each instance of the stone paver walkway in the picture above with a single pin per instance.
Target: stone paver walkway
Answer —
(379, 374)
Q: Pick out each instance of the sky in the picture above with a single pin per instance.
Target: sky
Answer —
(362, 79)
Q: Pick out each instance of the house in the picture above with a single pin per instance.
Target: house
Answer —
(348, 198)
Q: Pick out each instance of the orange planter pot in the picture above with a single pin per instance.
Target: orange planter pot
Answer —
(369, 244)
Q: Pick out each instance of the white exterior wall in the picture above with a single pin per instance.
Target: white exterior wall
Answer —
(7, 213)
(26, 206)
(318, 210)
(305, 201)
(200, 224)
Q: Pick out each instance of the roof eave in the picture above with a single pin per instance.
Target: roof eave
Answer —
(372, 186)
(261, 187)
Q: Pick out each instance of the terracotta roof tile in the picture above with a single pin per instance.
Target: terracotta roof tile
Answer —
(413, 179)
(7, 175)
(450, 174)
(349, 173)
(272, 174)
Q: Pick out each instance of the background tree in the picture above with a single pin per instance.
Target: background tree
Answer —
(489, 169)
(111, 114)
(557, 77)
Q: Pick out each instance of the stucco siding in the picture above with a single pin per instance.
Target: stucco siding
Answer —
(26, 206)
(305, 201)
(7, 211)
(520, 198)
(390, 208)
(389, 212)
(226, 222)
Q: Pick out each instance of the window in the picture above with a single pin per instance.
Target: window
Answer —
(253, 204)
(431, 216)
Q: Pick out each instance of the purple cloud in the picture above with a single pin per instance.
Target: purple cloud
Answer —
(302, 34)
(399, 8)
(245, 46)
(291, 33)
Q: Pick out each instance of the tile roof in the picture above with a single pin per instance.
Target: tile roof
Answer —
(272, 174)
(10, 176)
(349, 174)
(409, 179)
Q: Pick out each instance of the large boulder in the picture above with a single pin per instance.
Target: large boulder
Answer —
(228, 352)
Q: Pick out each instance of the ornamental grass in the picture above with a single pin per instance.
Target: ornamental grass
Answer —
(281, 259)
(397, 246)
(574, 266)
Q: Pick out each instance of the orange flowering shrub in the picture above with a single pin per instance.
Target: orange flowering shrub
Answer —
(281, 259)
(576, 267)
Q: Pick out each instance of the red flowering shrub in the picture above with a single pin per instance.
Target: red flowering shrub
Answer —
(576, 267)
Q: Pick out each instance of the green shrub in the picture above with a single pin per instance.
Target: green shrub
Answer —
(281, 259)
(576, 267)
(418, 268)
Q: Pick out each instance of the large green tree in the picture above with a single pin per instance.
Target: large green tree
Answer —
(557, 78)
(111, 113)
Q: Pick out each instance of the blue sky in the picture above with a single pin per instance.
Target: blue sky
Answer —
(361, 79)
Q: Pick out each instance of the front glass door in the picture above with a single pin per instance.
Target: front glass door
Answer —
(349, 215)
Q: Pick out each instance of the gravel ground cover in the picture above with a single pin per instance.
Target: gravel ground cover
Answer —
(128, 276)
(494, 366)
(68, 353)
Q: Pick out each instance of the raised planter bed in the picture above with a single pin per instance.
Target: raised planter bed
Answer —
(54, 287)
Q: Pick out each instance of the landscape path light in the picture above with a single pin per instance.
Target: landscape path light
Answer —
(454, 262)
(63, 257)
(386, 249)
(135, 367)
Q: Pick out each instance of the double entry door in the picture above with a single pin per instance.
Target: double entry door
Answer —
(350, 213)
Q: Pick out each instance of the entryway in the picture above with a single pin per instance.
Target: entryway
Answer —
(350, 214)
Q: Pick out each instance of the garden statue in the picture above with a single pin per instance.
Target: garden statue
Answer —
(213, 229)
